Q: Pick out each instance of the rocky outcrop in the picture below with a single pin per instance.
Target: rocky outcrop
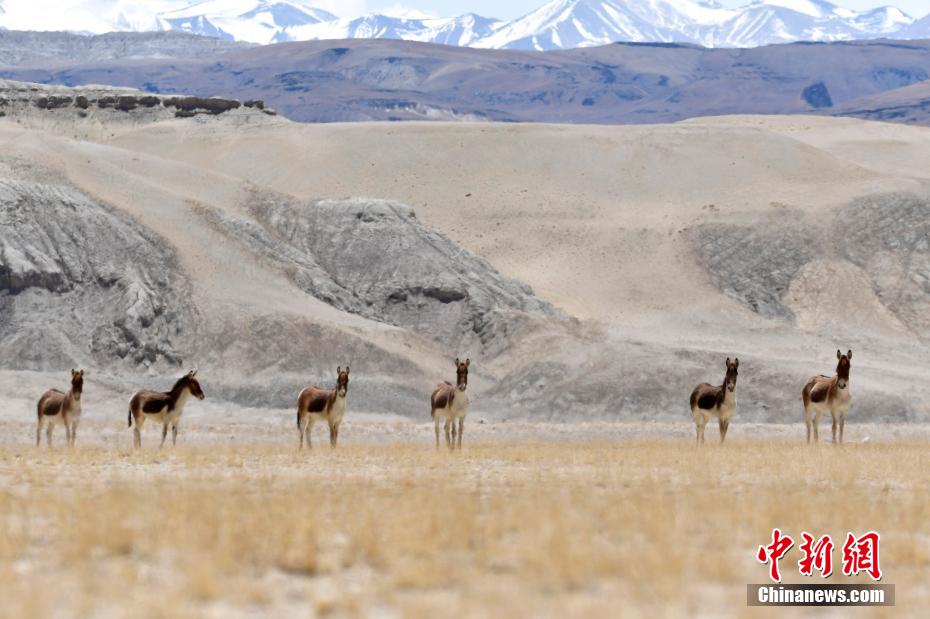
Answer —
(23, 97)
(755, 264)
(80, 282)
(373, 258)
(887, 237)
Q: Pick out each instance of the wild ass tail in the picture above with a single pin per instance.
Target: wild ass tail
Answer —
(130, 417)
(806, 393)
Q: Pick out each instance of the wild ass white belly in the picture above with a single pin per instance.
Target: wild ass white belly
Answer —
(73, 416)
(459, 407)
(164, 416)
(334, 416)
(727, 408)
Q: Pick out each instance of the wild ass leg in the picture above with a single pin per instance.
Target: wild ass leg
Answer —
(833, 416)
(39, 425)
(336, 432)
(724, 426)
(461, 430)
(807, 419)
(436, 423)
(174, 434)
(842, 424)
(48, 435)
(74, 433)
(164, 433)
(309, 432)
(332, 434)
(67, 425)
(137, 431)
(700, 421)
(448, 436)
(817, 426)
(302, 428)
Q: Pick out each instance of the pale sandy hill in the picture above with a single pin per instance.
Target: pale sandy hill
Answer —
(589, 215)
(774, 239)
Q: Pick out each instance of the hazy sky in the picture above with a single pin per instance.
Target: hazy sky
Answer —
(509, 9)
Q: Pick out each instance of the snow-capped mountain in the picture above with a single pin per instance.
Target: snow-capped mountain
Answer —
(558, 24)
(255, 21)
(463, 30)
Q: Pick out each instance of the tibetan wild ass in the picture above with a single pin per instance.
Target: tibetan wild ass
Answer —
(314, 404)
(719, 401)
(163, 407)
(451, 403)
(57, 407)
(828, 393)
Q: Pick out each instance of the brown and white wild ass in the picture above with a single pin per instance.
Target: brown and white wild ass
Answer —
(315, 404)
(451, 402)
(828, 393)
(58, 407)
(718, 401)
(164, 407)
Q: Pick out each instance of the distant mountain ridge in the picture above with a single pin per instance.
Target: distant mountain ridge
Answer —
(558, 24)
(362, 80)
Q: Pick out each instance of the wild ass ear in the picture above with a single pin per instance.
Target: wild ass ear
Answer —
(728, 363)
(839, 355)
(467, 362)
(736, 362)
(347, 370)
(457, 362)
(338, 369)
(849, 355)
(81, 372)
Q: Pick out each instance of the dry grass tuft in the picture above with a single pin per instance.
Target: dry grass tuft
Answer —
(544, 529)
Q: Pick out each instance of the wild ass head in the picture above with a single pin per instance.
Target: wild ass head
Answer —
(732, 374)
(77, 383)
(461, 373)
(842, 368)
(190, 382)
(342, 381)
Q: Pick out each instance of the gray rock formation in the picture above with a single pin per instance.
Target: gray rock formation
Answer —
(81, 283)
(887, 236)
(22, 98)
(373, 258)
(755, 264)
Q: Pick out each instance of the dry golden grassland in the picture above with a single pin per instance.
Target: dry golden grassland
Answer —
(622, 528)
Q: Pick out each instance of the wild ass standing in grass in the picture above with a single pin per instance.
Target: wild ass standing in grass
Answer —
(822, 393)
(451, 402)
(163, 407)
(314, 404)
(58, 407)
(719, 401)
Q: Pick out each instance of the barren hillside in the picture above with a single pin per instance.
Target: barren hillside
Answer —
(589, 272)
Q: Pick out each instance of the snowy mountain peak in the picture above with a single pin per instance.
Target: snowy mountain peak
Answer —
(557, 24)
